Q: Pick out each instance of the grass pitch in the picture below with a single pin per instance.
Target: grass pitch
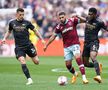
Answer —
(45, 75)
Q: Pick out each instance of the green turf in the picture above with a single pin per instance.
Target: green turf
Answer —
(12, 78)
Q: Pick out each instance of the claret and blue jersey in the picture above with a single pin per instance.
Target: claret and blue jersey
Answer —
(68, 32)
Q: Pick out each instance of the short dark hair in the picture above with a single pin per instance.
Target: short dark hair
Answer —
(20, 9)
(93, 10)
(61, 13)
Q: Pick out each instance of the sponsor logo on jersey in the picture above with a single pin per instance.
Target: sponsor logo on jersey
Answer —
(19, 28)
(90, 26)
(67, 29)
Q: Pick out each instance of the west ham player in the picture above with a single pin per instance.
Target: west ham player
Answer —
(91, 43)
(23, 45)
(67, 28)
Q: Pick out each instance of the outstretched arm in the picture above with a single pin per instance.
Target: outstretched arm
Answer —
(5, 37)
(82, 19)
(104, 26)
(51, 39)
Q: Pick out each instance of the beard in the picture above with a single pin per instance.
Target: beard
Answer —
(63, 22)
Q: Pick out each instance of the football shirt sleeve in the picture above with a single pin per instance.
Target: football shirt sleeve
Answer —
(10, 27)
(76, 21)
(104, 26)
(30, 26)
(57, 30)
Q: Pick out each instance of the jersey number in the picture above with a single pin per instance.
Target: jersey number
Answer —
(33, 50)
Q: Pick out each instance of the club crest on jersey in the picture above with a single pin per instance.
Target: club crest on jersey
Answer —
(23, 24)
(90, 26)
(94, 24)
(67, 29)
(61, 27)
(69, 23)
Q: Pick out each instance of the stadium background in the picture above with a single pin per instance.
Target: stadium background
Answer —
(45, 17)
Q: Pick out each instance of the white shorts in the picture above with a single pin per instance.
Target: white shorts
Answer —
(71, 51)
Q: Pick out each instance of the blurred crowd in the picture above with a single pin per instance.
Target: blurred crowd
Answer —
(44, 13)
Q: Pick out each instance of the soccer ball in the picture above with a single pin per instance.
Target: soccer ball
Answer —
(62, 80)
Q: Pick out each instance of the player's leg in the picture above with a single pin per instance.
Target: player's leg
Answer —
(69, 66)
(68, 62)
(77, 55)
(31, 52)
(34, 40)
(87, 63)
(85, 57)
(71, 69)
(93, 55)
(20, 55)
(35, 59)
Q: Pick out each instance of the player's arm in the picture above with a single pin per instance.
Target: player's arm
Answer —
(7, 34)
(51, 39)
(39, 35)
(105, 27)
(36, 32)
(81, 19)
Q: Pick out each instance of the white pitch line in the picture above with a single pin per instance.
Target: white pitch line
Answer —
(59, 70)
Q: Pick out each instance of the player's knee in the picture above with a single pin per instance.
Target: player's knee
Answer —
(77, 55)
(93, 55)
(22, 60)
(68, 65)
(36, 62)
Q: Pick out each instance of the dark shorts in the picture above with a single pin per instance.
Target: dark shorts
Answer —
(88, 47)
(29, 50)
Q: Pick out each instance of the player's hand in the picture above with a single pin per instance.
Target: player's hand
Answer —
(43, 42)
(45, 48)
(3, 41)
